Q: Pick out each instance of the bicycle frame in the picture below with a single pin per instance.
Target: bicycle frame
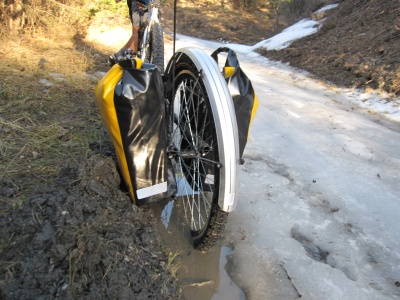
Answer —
(153, 13)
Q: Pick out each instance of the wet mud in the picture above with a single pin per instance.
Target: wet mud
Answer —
(81, 237)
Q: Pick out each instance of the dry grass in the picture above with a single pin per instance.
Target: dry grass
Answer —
(47, 110)
(48, 116)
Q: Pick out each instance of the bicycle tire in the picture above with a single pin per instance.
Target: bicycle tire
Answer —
(199, 151)
(155, 47)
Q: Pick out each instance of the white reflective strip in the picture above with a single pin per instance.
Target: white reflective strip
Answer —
(152, 190)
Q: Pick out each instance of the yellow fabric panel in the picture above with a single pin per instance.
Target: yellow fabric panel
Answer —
(253, 113)
(255, 106)
(104, 91)
(228, 71)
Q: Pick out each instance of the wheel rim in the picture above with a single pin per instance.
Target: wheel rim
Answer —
(196, 159)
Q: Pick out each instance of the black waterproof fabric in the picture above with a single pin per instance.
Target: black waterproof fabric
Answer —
(139, 104)
(243, 95)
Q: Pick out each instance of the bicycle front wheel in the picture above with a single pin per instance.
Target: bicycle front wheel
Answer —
(155, 47)
(203, 150)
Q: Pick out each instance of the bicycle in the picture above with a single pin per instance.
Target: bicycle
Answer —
(150, 38)
(201, 145)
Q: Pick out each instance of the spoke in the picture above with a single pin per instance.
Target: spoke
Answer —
(193, 151)
(198, 192)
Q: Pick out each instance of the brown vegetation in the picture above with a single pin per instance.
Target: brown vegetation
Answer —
(358, 46)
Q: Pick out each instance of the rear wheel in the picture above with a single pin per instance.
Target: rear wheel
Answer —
(195, 157)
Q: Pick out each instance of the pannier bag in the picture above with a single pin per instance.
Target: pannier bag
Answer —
(244, 97)
(130, 98)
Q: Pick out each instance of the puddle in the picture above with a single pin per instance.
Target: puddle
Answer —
(202, 276)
